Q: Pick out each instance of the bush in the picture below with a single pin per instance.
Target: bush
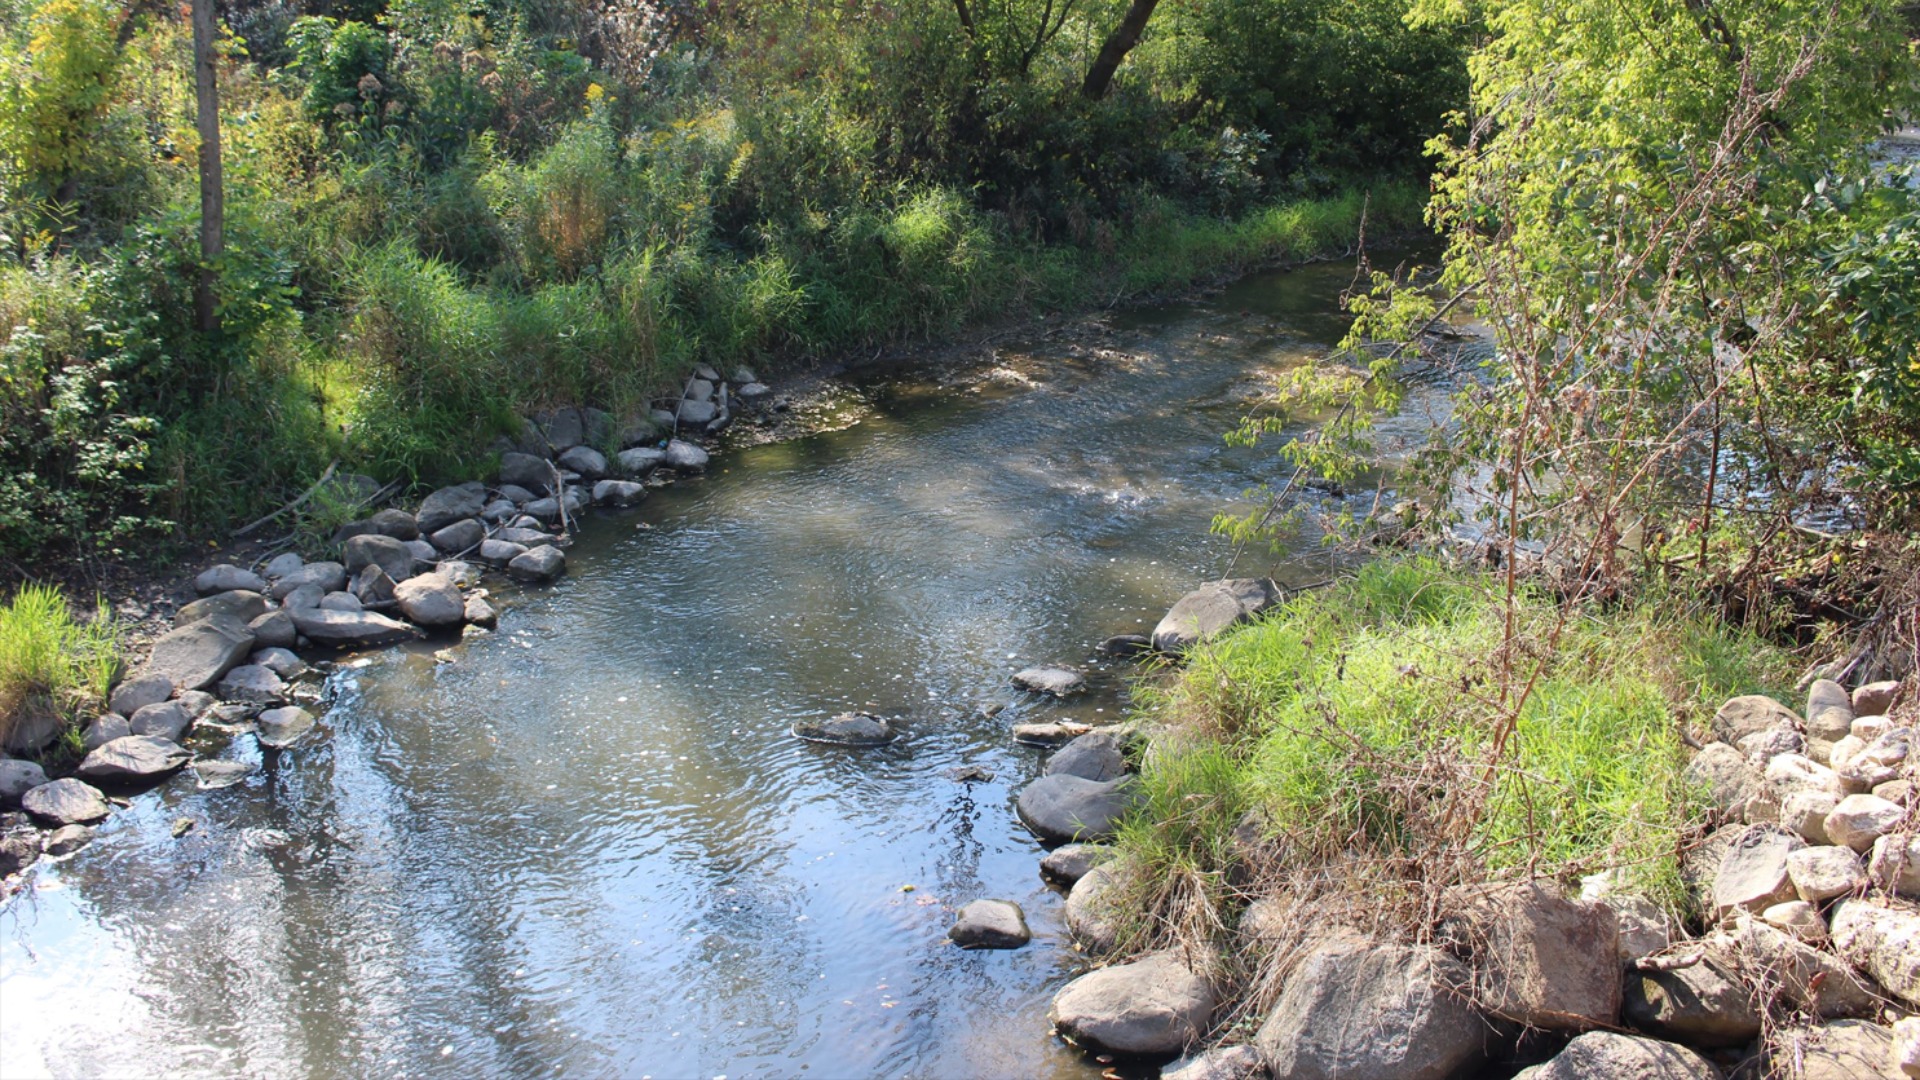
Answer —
(49, 663)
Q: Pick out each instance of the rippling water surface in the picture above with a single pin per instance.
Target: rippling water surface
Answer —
(588, 846)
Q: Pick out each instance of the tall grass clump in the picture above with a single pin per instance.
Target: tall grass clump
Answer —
(1353, 751)
(51, 664)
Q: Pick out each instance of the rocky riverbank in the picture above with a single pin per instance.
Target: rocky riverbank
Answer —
(249, 658)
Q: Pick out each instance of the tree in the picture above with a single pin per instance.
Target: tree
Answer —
(213, 198)
(1117, 46)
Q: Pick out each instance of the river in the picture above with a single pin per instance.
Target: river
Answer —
(586, 845)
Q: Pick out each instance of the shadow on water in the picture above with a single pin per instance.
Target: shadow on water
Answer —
(589, 846)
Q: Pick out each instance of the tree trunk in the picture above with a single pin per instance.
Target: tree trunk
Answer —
(1118, 45)
(213, 199)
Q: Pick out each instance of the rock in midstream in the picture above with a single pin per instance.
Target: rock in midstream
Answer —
(1063, 808)
(847, 729)
(1154, 1005)
(1094, 756)
(1051, 679)
(990, 924)
(281, 728)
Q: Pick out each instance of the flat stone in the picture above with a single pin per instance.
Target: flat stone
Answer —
(1058, 681)
(1744, 715)
(1753, 873)
(1094, 756)
(281, 728)
(526, 538)
(67, 801)
(591, 464)
(252, 682)
(194, 657)
(67, 839)
(618, 493)
(392, 556)
(143, 689)
(1604, 1055)
(1063, 808)
(240, 604)
(990, 924)
(17, 778)
(213, 775)
(847, 729)
(1859, 820)
(460, 536)
(1068, 863)
(1821, 873)
(325, 576)
(1211, 609)
(275, 630)
(1881, 938)
(640, 460)
(525, 472)
(1154, 1005)
(538, 565)
(168, 720)
(1352, 1009)
(1126, 645)
(431, 600)
(350, 629)
(227, 577)
(684, 456)
(133, 758)
(1053, 734)
(448, 505)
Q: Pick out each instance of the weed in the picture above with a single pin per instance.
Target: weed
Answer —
(50, 664)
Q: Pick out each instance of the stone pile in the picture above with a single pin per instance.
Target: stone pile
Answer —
(231, 663)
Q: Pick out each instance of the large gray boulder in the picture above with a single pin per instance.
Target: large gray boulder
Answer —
(1353, 1010)
(1550, 962)
(227, 577)
(1155, 1005)
(391, 555)
(1211, 609)
(135, 693)
(696, 414)
(133, 758)
(431, 600)
(525, 471)
(67, 801)
(1063, 808)
(684, 456)
(350, 629)
(538, 565)
(241, 604)
(104, 729)
(990, 924)
(325, 577)
(1094, 756)
(17, 778)
(1604, 1055)
(448, 505)
(193, 657)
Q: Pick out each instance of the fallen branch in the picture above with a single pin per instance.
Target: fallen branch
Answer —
(294, 505)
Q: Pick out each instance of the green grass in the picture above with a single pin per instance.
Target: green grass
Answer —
(1357, 723)
(50, 661)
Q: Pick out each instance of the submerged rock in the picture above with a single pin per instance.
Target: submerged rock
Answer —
(281, 728)
(1052, 734)
(213, 775)
(1058, 681)
(990, 924)
(847, 729)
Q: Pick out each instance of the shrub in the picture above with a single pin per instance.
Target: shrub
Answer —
(49, 663)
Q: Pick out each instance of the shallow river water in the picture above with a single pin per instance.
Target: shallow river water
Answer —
(588, 846)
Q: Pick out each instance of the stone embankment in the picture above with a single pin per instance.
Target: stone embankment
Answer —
(1803, 959)
(232, 665)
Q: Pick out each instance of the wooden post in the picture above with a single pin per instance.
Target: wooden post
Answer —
(213, 200)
